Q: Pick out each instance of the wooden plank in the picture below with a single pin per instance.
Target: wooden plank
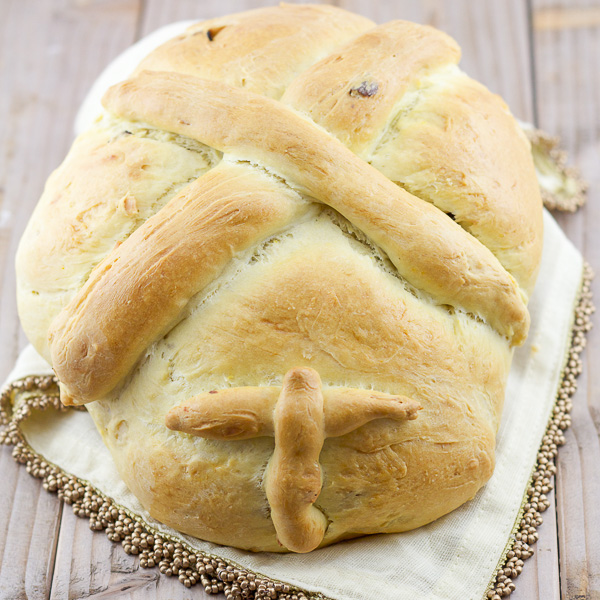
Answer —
(589, 418)
(545, 563)
(158, 13)
(29, 521)
(571, 521)
(567, 47)
(81, 560)
(51, 51)
(90, 566)
(566, 17)
(540, 576)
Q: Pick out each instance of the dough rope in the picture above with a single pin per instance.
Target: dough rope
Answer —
(300, 416)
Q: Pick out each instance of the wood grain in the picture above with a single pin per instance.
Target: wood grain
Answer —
(29, 522)
(568, 91)
(566, 17)
(540, 577)
(89, 566)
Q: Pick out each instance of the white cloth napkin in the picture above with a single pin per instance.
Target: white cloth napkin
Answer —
(453, 558)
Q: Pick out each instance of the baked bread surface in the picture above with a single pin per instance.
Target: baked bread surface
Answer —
(285, 271)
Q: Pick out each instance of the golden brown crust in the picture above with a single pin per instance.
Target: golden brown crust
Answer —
(110, 183)
(292, 480)
(259, 50)
(273, 315)
(433, 153)
(347, 409)
(375, 302)
(353, 95)
(226, 414)
(428, 249)
(139, 290)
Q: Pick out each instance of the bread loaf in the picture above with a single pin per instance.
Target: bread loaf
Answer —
(285, 271)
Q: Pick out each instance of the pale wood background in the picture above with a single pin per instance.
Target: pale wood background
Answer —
(542, 56)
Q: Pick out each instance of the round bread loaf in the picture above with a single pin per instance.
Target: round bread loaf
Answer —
(285, 271)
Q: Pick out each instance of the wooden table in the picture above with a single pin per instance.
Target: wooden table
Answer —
(542, 56)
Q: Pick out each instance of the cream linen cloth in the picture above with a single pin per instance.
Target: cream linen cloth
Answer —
(452, 558)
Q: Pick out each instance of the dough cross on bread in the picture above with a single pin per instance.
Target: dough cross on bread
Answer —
(300, 415)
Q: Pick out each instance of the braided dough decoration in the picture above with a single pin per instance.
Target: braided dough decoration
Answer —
(299, 419)
(290, 191)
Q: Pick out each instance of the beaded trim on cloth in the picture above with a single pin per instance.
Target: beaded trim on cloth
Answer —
(17, 402)
(536, 501)
(561, 186)
(19, 399)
